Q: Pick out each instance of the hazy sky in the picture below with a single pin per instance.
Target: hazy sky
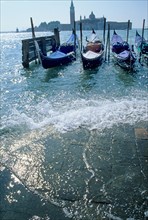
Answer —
(17, 13)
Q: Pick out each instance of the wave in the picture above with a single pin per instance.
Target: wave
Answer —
(90, 114)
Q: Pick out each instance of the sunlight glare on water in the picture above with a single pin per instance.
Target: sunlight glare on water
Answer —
(68, 137)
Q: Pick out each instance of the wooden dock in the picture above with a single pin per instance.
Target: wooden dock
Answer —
(46, 44)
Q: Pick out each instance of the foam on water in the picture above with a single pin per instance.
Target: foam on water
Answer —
(90, 114)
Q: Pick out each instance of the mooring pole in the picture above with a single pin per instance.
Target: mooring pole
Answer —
(25, 54)
(57, 37)
(81, 35)
(75, 37)
(33, 35)
(108, 41)
(142, 41)
(106, 46)
(128, 27)
(35, 42)
(143, 30)
(104, 29)
(32, 28)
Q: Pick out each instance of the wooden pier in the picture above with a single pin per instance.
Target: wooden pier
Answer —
(46, 44)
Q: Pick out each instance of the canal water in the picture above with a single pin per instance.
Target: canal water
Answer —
(69, 138)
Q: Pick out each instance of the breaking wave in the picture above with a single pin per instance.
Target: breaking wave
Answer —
(90, 114)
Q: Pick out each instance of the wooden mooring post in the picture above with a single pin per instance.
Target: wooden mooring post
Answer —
(81, 37)
(57, 37)
(128, 28)
(107, 48)
(46, 44)
(104, 29)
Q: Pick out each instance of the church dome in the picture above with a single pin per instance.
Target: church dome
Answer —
(92, 16)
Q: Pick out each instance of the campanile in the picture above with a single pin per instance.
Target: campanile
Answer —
(72, 13)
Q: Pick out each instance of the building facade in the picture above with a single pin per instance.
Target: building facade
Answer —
(92, 22)
(87, 23)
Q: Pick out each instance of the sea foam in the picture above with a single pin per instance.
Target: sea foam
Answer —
(90, 114)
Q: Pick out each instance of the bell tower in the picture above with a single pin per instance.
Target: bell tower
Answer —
(72, 13)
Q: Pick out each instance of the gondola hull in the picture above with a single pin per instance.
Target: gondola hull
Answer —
(51, 61)
(92, 60)
(127, 62)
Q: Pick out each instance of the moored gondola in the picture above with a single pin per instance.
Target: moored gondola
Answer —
(65, 54)
(92, 54)
(56, 58)
(123, 53)
(142, 47)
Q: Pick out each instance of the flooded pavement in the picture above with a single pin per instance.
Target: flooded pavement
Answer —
(75, 175)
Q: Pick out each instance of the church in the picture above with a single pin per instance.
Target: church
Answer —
(91, 22)
(87, 23)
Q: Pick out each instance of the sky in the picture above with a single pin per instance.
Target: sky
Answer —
(16, 13)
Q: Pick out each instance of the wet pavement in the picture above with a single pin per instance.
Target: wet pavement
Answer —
(76, 175)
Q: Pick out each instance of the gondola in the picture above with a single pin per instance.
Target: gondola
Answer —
(142, 47)
(124, 54)
(62, 56)
(92, 54)
(56, 58)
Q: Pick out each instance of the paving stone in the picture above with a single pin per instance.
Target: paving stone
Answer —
(141, 133)
(86, 174)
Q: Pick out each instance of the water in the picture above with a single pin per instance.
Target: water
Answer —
(58, 125)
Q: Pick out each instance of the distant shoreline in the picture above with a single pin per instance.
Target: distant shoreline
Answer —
(24, 31)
